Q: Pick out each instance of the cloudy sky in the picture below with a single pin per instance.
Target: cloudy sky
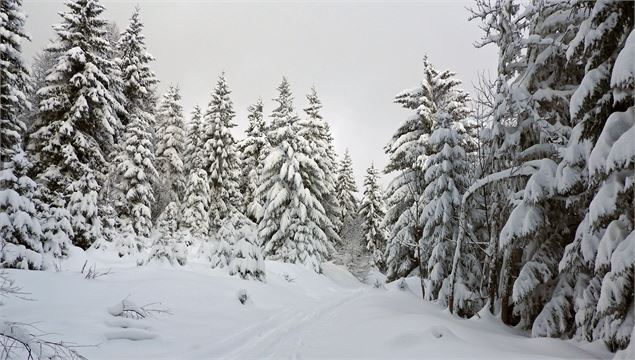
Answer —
(358, 55)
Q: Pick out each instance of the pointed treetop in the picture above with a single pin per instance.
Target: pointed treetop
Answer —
(313, 109)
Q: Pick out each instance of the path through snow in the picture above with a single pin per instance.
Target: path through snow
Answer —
(296, 314)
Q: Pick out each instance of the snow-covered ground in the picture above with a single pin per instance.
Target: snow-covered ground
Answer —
(295, 314)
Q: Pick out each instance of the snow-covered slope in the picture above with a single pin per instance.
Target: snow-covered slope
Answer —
(295, 314)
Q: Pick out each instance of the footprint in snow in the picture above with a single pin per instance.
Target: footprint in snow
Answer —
(440, 331)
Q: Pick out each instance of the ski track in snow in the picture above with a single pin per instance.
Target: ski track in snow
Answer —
(299, 321)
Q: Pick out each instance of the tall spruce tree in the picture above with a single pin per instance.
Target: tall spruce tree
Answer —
(78, 111)
(195, 208)
(135, 169)
(446, 177)
(220, 158)
(539, 225)
(253, 151)
(372, 212)
(139, 80)
(135, 175)
(404, 191)
(291, 227)
(597, 173)
(346, 188)
(317, 132)
(193, 143)
(170, 138)
(168, 245)
(20, 232)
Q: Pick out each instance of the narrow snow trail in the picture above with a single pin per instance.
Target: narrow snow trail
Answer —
(273, 341)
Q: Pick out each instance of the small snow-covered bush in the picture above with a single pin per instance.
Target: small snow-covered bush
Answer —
(246, 260)
(243, 297)
(90, 271)
(128, 309)
(238, 248)
(168, 245)
(23, 341)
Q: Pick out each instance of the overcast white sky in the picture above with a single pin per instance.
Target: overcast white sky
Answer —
(358, 54)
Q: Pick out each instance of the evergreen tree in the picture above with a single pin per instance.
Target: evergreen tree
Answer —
(135, 170)
(195, 208)
(57, 230)
(246, 260)
(220, 158)
(252, 153)
(346, 188)
(404, 191)
(138, 79)
(41, 64)
(193, 143)
(77, 120)
(135, 174)
(446, 179)
(539, 225)
(170, 138)
(597, 173)
(84, 210)
(20, 232)
(372, 212)
(168, 246)
(292, 224)
(227, 235)
(317, 133)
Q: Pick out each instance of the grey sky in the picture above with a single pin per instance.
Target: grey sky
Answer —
(358, 55)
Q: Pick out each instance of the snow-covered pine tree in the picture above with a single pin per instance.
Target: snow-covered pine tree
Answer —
(20, 232)
(404, 191)
(135, 174)
(220, 158)
(291, 226)
(113, 34)
(138, 80)
(596, 172)
(193, 143)
(84, 210)
(346, 188)
(247, 261)
(446, 177)
(227, 236)
(77, 120)
(539, 225)
(612, 162)
(57, 230)
(317, 132)
(170, 138)
(372, 211)
(253, 150)
(168, 246)
(195, 207)
(135, 169)
(41, 64)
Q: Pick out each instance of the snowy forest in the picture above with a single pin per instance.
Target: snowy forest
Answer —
(515, 203)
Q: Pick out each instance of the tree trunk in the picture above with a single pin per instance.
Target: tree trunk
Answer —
(422, 269)
(511, 270)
